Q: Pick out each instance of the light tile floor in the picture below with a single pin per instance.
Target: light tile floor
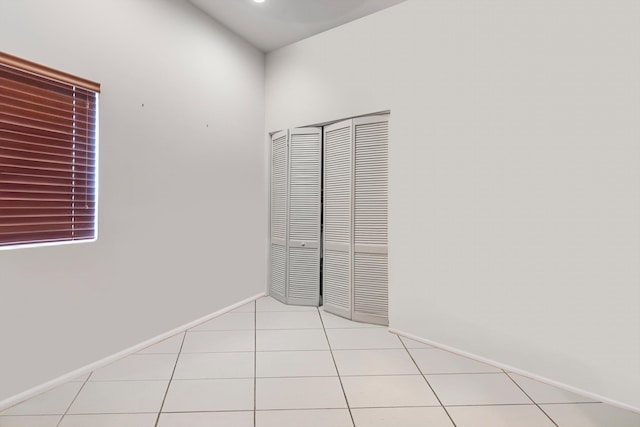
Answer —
(271, 365)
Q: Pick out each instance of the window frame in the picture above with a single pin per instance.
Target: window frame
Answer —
(51, 225)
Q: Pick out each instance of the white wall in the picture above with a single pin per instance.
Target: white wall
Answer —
(514, 173)
(182, 204)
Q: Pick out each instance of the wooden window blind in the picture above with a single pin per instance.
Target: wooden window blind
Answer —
(48, 151)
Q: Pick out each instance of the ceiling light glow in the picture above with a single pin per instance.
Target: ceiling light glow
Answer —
(258, 1)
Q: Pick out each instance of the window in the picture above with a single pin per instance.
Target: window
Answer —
(48, 152)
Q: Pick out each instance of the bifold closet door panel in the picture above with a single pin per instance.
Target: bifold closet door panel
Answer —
(305, 169)
(279, 188)
(338, 177)
(370, 228)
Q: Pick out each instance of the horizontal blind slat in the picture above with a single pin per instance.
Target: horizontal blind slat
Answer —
(21, 136)
(25, 101)
(38, 127)
(34, 147)
(8, 160)
(70, 119)
(67, 158)
(30, 216)
(43, 179)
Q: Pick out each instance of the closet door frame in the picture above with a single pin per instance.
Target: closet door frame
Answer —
(343, 251)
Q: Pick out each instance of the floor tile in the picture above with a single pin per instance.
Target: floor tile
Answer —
(53, 402)
(388, 391)
(413, 344)
(119, 397)
(209, 395)
(499, 416)
(477, 389)
(218, 341)
(229, 322)
(207, 419)
(297, 383)
(29, 421)
(291, 339)
(331, 321)
(109, 420)
(544, 393)
(299, 393)
(304, 418)
(169, 346)
(362, 338)
(435, 361)
(138, 367)
(214, 365)
(295, 364)
(374, 362)
(401, 417)
(288, 320)
(591, 415)
(270, 304)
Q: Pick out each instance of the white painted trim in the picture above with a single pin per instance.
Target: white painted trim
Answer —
(524, 373)
(32, 392)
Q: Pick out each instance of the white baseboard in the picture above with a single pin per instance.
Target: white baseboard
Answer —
(32, 392)
(527, 374)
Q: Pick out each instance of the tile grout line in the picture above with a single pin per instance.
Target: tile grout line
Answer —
(86, 380)
(275, 329)
(595, 402)
(336, 366)
(530, 398)
(287, 351)
(427, 381)
(200, 331)
(295, 409)
(255, 360)
(184, 337)
(213, 378)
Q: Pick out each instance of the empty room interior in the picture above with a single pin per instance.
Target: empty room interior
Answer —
(320, 213)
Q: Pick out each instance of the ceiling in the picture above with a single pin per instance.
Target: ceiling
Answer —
(276, 23)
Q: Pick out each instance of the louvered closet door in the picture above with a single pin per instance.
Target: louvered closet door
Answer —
(338, 175)
(305, 150)
(370, 258)
(279, 185)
